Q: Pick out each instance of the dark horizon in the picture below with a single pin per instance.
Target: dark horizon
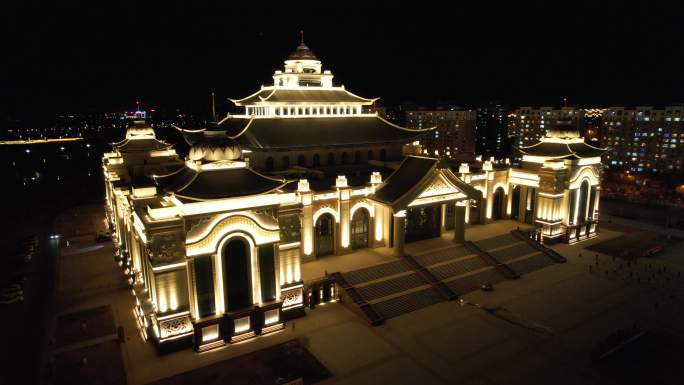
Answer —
(72, 58)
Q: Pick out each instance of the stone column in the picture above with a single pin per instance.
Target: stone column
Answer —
(459, 222)
(399, 233)
(442, 219)
(509, 202)
(344, 209)
(307, 233)
(345, 227)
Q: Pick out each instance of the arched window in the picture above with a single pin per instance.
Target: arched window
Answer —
(357, 157)
(324, 235)
(269, 163)
(583, 203)
(331, 159)
(498, 205)
(316, 160)
(286, 162)
(360, 224)
(236, 274)
(371, 155)
(345, 158)
(301, 161)
(383, 155)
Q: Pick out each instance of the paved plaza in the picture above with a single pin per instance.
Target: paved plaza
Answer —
(542, 328)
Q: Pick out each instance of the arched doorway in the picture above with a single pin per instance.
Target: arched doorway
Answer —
(383, 155)
(325, 235)
(286, 162)
(360, 224)
(498, 200)
(515, 203)
(371, 155)
(301, 161)
(331, 159)
(583, 202)
(269, 163)
(237, 283)
(316, 160)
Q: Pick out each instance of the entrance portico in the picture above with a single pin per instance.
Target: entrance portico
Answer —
(420, 194)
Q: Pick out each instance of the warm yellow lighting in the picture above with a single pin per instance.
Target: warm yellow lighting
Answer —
(271, 317)
(242, 324)
(210, 333)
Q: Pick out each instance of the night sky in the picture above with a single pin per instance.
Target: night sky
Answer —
(83, 58)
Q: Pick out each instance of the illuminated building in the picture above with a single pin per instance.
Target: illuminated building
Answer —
(491, 131)
(454, 134)
(643, 139)
(568, 173)
(213, 246)
(527, 125)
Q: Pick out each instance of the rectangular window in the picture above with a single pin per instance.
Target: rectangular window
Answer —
(267, 273)
(204, 286)
(289, 228)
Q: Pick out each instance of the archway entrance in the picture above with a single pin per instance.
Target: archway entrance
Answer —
(422, 222)
(498, 200)
(359, 228)
(515, 203)
(325, 235)
(583, 203)
(237, 286)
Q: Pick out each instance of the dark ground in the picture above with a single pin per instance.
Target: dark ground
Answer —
(275, 365)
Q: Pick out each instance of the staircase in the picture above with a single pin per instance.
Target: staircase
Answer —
(547, 251)
(487, 257)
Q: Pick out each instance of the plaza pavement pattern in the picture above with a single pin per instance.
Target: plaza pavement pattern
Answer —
(542, 328)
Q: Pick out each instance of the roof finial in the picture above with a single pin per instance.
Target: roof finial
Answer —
(301, 33)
